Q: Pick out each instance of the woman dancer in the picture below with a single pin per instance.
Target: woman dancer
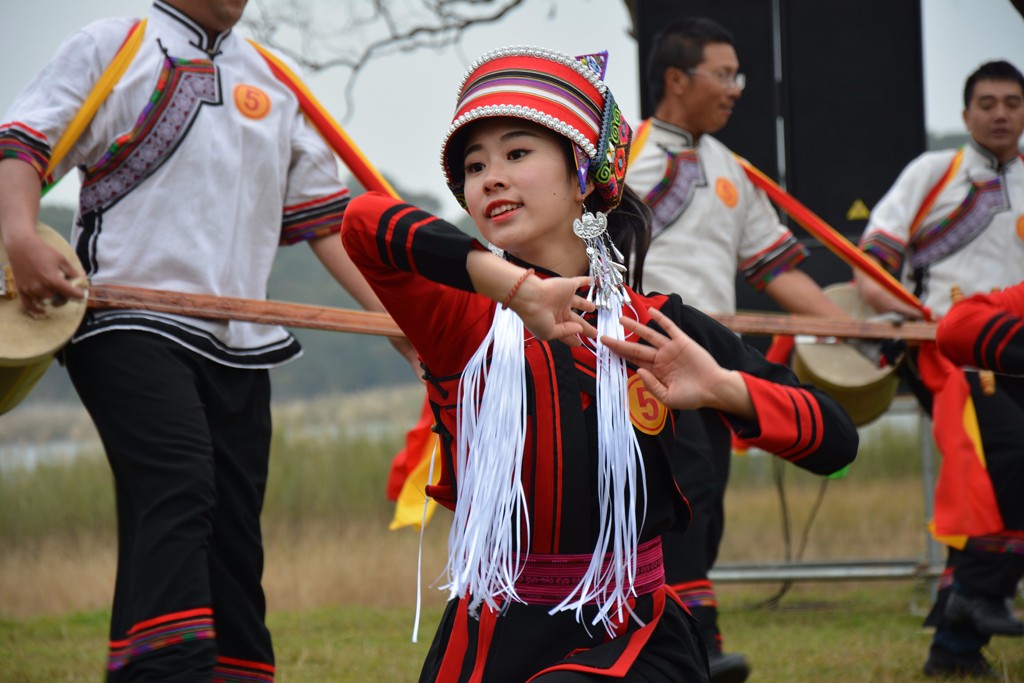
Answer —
(555, 451)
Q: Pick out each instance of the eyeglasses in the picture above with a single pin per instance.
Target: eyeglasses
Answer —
(726, 80)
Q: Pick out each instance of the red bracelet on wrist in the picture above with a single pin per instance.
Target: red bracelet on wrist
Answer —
(515, 288)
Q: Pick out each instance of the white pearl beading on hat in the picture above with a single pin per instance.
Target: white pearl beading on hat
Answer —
(519, 112)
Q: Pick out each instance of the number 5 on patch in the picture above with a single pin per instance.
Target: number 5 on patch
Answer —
(647, 413)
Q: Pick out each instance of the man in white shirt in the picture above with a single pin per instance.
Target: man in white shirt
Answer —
(194, 169)
(956, 217)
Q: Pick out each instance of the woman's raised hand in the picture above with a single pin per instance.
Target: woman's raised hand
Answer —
(679, 371)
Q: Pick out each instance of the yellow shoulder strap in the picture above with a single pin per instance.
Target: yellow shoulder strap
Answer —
(933, 194)
(639, 139)
(111, 75)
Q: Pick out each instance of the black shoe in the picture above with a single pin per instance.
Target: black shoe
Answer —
(728, 668)
(946, 664)
(988, 615)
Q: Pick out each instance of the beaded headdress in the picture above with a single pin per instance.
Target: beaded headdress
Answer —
(565, 94)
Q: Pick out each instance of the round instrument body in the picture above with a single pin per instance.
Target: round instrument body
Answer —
(862, 388)
(28, 343)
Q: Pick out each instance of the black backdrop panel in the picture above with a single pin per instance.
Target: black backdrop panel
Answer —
(851, 99)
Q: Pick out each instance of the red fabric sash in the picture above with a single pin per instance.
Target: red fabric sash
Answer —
(548, 579)
(829, 236)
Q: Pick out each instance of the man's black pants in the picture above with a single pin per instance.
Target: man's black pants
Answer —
(188, 441)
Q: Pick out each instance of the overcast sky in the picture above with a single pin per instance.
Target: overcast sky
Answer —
(404, 102)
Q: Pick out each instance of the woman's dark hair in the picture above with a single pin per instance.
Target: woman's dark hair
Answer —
(629, 225)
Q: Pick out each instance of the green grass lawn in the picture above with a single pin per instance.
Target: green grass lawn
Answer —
(842, 633)
(825, 632)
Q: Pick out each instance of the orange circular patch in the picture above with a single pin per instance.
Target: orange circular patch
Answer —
(726, 191)
(1020, 226)
(251, 101)
(647, 413)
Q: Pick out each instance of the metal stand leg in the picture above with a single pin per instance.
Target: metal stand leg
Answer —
(933, 551)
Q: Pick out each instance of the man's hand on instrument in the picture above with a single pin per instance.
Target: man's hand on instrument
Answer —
(41, 274)
(882, 300)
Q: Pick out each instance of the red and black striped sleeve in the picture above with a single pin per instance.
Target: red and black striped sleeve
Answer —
(986, 331)
(796, 422)
(416, 264)
(791, 422)
(400, 236)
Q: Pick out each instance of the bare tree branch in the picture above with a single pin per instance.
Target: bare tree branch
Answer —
(326, 34)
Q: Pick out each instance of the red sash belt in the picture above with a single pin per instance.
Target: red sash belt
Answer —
(548, 579)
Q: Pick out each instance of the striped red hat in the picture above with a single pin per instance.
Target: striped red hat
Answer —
(565, 94)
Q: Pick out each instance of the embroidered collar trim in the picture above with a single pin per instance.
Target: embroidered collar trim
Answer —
(990, 159)
(200, 38)
(676, 130)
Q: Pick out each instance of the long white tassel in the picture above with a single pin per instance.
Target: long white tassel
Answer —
(490, 523)
(419, 552)
(621, 475)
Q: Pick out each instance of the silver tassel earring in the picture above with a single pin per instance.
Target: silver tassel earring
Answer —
(621, 480)
(607, 272)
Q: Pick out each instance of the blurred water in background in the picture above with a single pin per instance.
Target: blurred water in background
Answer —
(33, 435)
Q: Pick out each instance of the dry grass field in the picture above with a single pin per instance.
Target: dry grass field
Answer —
(342, 588)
